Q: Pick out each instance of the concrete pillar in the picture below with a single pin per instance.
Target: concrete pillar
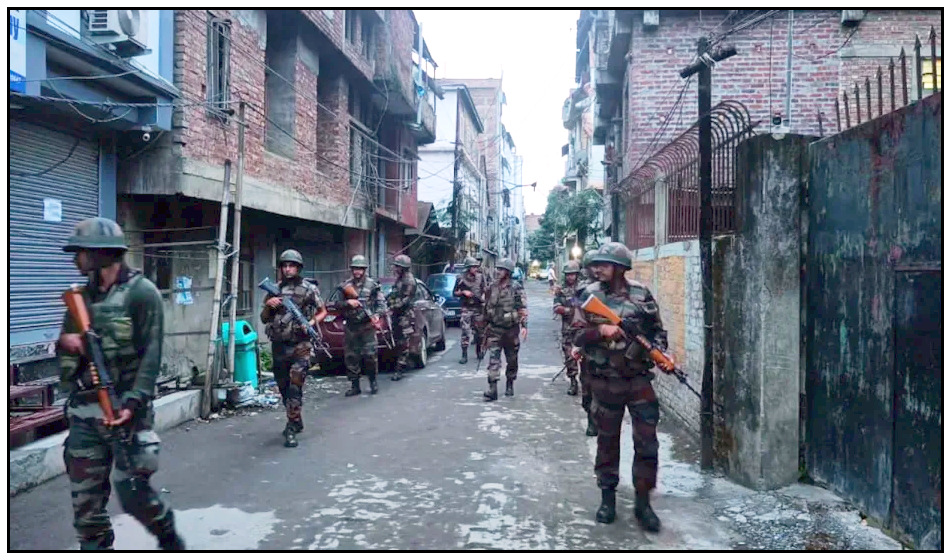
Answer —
(759, 384)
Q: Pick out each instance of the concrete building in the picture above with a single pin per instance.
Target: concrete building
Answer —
(451, 169)
(337, 103)
(86, 86)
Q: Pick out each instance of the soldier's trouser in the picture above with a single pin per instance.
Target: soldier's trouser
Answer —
(571, 369)
(470, 322)
(89, 451)
(402, 331)
(291, 362)
(498, 339)
(611, 396)
(359, 352)
(585, 378)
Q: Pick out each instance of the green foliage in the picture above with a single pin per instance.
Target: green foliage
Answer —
(578, 214)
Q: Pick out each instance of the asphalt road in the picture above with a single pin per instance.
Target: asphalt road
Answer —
(424, 464)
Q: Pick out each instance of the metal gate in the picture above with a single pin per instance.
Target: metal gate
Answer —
(873, 318)
(54, 183)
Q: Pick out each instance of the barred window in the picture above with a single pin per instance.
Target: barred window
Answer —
(930, 74)
(219, 66)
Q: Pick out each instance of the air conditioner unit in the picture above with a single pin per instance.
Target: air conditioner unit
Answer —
(122, 31)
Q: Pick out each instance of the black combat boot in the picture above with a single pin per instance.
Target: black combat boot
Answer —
(592, 428)
(644, 513)
(493, 393)
(354, 388)
(606, 513)
(290, 436)
(168, 538)
(573, 389)
(373, 385)
(509, 387)
(465, 356)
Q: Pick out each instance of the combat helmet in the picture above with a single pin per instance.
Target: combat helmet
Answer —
(573, 267)
(615, 253)
(469, 262)
(586, 260)
(402, 261)
(359, 261)
(96, 233)
(291, 256)
(506, 264)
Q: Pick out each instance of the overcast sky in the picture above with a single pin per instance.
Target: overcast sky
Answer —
(533, 51)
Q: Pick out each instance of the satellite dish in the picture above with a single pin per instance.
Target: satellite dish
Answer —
(129, 22)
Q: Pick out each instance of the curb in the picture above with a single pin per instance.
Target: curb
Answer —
(42, 460)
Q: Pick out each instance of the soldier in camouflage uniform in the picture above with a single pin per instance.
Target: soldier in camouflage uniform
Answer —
(486, 273)
(506, 310)
(400, 301)
(290, 344)
(470, 289)
(566, 305)
(621, 377)
(126, 310)
(362, 317)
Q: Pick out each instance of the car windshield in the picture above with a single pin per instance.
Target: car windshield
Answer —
(441, 281)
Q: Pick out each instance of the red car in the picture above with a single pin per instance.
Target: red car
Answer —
(430, 333)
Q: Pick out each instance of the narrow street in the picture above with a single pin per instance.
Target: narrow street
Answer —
(425, 464)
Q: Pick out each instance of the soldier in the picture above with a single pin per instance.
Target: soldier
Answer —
(290, 344)
(400, 301)
(470, 289)
(126, 310)
(507, 313)
(486, 273)
(586, 275)
(621, 377)
(362, 316)
(567, 305)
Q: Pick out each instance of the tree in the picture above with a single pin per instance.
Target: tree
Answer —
(578, 213)
(541, 244)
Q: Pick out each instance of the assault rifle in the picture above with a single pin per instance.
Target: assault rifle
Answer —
(316, 339)
(632, 330)
(350, 292)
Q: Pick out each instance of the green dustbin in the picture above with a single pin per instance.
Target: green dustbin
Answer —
(245, 351)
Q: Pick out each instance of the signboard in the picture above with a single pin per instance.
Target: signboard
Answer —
(52, 210)
(18, 50)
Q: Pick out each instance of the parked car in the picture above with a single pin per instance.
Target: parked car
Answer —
(441, 285)
(430, 333)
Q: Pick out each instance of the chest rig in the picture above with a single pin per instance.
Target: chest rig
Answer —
(502, 305)
(618, 358)
(284, 328)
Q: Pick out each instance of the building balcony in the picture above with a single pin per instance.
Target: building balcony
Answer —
(425, 130)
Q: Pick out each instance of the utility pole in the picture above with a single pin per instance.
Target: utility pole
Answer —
(216, 307)
(703, 67)
(236, 237)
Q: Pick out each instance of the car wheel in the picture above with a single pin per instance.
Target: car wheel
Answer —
(441, 345)
(423, 356)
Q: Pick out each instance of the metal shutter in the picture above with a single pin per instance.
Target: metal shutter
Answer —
(39, 269)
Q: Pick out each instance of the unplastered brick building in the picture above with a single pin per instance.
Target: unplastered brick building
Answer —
(332, 123)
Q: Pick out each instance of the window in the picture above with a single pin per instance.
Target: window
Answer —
(245, 285)
(158, 268)
(218, 75)
(407, 171)
(280, 98)
(366, 37)
(350, 26)
(930, 74)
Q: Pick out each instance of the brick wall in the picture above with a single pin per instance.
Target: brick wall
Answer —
(672, 273)
(756, 76)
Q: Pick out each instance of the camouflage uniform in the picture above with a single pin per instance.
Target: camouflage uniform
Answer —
(290, 344)
(621, 378)
(129, 320)
(471, 315)
(359, 336)
(506, 310)
(567, 297)
(400, 302)
(585, 376)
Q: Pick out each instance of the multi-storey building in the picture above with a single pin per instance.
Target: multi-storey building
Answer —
(88, 90)
(336, 103)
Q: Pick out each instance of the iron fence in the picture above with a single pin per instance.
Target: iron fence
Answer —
(852, 107)
(663, 194)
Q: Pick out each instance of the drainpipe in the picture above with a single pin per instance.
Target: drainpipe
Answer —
(789, 72)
